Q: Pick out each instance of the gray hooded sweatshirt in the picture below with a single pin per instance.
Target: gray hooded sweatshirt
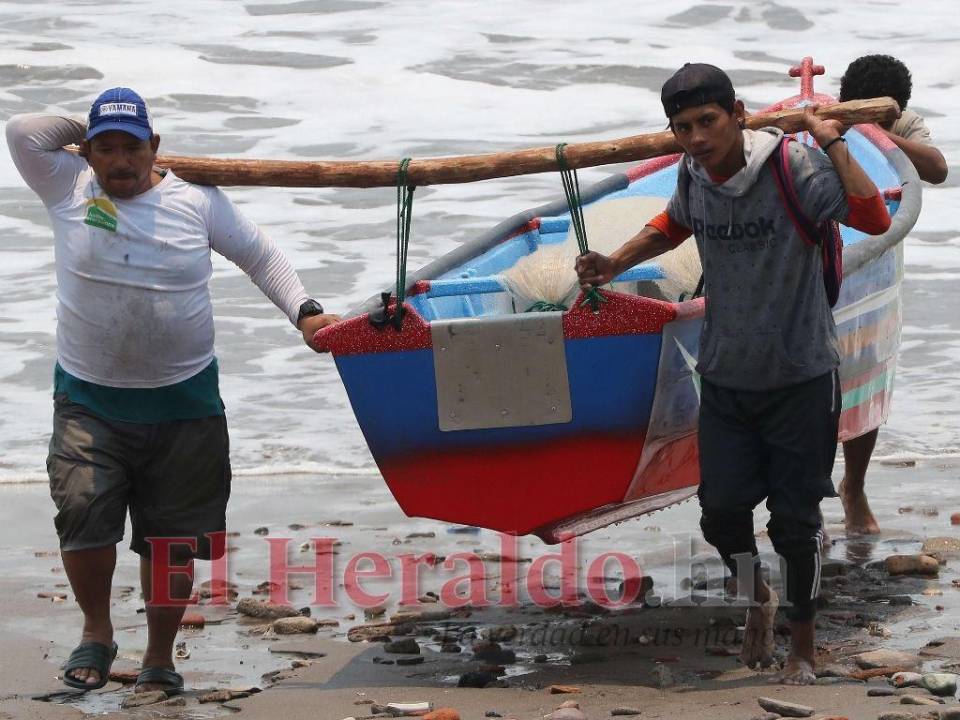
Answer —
(768, 324)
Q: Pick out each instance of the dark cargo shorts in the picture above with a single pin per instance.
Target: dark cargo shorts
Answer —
(173, 476)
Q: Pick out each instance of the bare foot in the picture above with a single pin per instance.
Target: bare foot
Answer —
(797, 671)
(758, 640)
(859, 520)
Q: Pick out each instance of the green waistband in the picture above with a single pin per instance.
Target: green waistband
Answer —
(195, 397)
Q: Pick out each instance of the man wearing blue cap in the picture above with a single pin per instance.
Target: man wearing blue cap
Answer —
(138, 421)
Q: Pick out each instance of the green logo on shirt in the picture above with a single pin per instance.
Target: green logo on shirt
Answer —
(101, 213)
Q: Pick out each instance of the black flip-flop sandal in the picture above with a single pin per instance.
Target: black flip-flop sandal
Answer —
(171, 679)
(94, 655)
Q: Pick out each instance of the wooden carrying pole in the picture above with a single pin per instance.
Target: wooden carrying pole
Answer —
(470, 168)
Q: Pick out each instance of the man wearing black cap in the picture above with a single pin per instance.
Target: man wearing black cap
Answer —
(770, 400)
(138, 421)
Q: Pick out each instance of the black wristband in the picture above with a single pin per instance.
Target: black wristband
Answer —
(309, 309)
(838, 138)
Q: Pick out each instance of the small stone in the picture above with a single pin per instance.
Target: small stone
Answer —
(955, 519)
(885, 658)
(450, 648)
(941, 684)
(216, 696)
(563, 689)
(906, 679)
(476, 679)
(295, 625)
(192, 620)
(881, 692)
(945, 547)
(143, 698)
(262, 531)
(442, 713)
(766, 716)
(566, 714)
(492, 714)
(787, 709)
(55, 596)
(179, 701)
(501, 633)
(406, 645)
(919, 700)
(540, 659)
(125, 677)
(254, 608)
(624, 712)
(569, 704)
(491, 652)
(912, 565)
(900, 600)
(951, 713)
(415, 660)
(896, 716)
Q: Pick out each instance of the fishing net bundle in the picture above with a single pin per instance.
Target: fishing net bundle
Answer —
(546, 280)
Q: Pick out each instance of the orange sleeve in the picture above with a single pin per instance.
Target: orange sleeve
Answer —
(868, 214)
(666, 225)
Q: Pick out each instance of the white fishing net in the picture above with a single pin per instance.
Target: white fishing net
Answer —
(547, 276)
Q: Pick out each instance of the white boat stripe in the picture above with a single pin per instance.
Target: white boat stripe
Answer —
(866, 304)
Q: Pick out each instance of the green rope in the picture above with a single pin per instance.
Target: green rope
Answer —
(544, 306)
(404, 215)
(571, 188)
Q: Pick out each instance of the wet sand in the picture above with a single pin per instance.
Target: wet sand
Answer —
(667, 660)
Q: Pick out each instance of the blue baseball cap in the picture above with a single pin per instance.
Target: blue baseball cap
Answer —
(120, 109)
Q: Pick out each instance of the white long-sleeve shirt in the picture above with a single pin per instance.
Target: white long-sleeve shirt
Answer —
(133, 302)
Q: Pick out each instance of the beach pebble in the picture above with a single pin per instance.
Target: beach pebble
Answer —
(881, 692)
(919, 700)
(563, 689)
(254, 608)
(192, 620)
(491, 652)
(125, 677)
(566, 714)
(218, 590)
(624, 712)
(787, 709)
(896, 716)
(540, 659)
(295, 625)
(906, 679)
(911, 565)
(261, 531)
(224, 695)
(476, 679)
(940, 683)
(144, 698)
(955, 519)
(442, 713)
(885, 658)
(450, 648)
(373, 631)
(406, 645)
(55, 596)
(942, 548)
(501, 632)
(492, 714)
(415, 660)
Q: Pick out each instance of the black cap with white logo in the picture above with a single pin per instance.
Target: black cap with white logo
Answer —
(695, 84)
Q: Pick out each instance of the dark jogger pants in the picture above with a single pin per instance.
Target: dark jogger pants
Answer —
(777, 445)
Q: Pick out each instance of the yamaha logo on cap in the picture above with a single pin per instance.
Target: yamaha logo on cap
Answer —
(120, 109)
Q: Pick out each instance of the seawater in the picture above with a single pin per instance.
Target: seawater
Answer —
(366, 79)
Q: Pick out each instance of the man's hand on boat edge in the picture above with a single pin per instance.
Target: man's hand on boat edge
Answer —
(313, 323)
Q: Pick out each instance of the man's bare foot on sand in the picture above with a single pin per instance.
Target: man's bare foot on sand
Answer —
(758, 640)
(796, 671)
(859, 520)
